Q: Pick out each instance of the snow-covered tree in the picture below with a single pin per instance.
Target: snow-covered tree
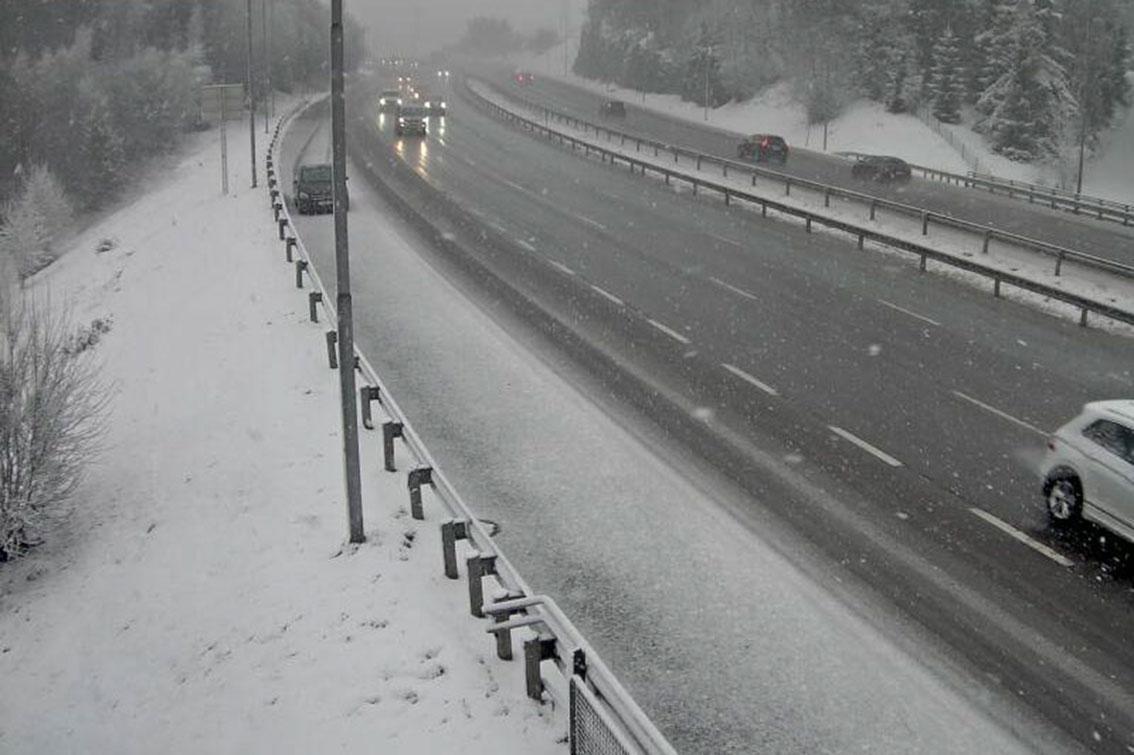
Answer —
(946, 86)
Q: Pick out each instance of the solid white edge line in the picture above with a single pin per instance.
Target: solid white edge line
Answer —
(998, 413)
(525, 245)
(750, 380)
(905, 311)
(734, 289)
(1035, 545)
(562, 267)
(603, 292)
(872, 450)
(668, 331)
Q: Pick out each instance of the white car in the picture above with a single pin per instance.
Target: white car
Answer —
(1089, 469)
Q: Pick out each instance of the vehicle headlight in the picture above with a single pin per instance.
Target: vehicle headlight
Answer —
(443, 105)
(429, 106)
(401, 121)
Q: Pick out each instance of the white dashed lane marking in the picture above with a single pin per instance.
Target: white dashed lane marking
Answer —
(872, 450)
(1032, 543)
(905, 311)
(734, 289)
(562, 267)
(668, 331)
(1002, 415)
(606, 294)
(750, 379)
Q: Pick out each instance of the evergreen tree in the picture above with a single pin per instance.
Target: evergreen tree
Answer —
(946, 86)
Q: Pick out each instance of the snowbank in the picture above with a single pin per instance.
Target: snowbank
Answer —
(200, 598)
(866, 126)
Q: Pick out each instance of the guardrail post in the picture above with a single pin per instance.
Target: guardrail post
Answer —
(727, 198)
(987, 238)
(861, 240)
(873, 208)
(694, 188)
(698, 162)
(313, 300)
(366, 395)
(277, 208)
(300, 267)
(675, 160)
(921, 265)
(753, 179)
(1083, 318)
(283, 224)
(289, 245)
(826, 197)
(724, 166)
(273, 193)
(808, 224)
(1059, 264)
(452, 531)
(504, 636)
(536, 650)
(417, 478)
(478, 566)
(763, 209)
(787, 187)
(390, 430)
(332, 342)
(638, 148)
(925, 224)
(996, 287)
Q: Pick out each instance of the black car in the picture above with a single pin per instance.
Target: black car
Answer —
(314, 189)
(882, 169)
(763, 148)
(613, 109)
(411, 120)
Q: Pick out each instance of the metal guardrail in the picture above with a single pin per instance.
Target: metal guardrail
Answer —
(600, 709)
(1102, 209)
(986, 234)
(730, 193)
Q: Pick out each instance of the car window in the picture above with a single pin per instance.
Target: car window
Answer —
(322, 173)
(1112, 436)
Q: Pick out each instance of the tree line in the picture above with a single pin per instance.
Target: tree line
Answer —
(1033, 75)
(89, 88)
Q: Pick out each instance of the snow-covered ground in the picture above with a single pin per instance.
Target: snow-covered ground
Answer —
(866, 126)
(1092, 284)
(200, 597)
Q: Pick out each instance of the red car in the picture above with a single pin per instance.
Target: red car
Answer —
(523, 78)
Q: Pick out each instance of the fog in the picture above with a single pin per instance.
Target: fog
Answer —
(419, 26)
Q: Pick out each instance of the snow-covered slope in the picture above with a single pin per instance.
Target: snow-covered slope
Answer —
(200, 598)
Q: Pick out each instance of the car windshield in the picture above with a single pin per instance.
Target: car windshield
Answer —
(773, 441)
(316, 174)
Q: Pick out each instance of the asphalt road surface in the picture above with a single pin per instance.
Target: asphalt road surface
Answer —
(889, 420)
(1104, 239)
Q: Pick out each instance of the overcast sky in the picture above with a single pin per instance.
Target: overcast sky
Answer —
(393, 24)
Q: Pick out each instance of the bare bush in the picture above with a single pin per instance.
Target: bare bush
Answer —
(52, 415)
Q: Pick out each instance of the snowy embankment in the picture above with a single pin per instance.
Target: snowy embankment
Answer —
(200, 597)
(866, 126)
(1092, 284)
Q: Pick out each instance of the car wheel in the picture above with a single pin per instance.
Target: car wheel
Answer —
(1063, 494)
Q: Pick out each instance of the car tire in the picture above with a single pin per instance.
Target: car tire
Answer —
(1063, 498)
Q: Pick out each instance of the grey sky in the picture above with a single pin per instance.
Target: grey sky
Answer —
(394, 25)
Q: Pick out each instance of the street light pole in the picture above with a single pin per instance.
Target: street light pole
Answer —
(251, 91)
(267, 77)
(708, 53)
(351, 472)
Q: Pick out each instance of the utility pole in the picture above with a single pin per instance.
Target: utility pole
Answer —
(708, 54)
(351, 472)
(1084, 103)
(566, 33)
(251, 91)
(267, 77)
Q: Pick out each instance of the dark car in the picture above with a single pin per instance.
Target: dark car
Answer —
(613, 109)
(434, 104)
(523, 78)
(390, 99)
(314, 189)
(763, 148)
(411, 120)
(882, 169)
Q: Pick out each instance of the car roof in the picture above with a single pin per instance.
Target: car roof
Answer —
(316, 166)
(1118, 409)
